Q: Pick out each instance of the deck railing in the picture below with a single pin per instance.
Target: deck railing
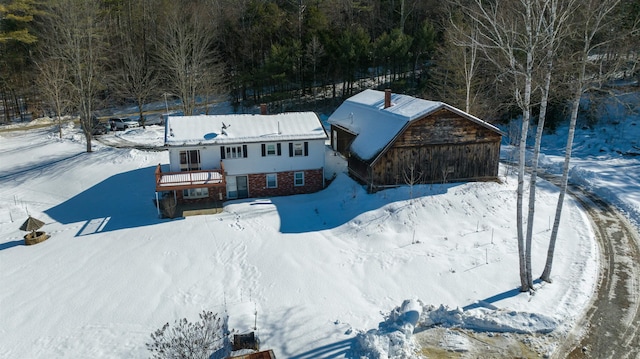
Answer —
(172, 181)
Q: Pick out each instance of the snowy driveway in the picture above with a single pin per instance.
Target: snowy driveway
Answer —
(611, 323)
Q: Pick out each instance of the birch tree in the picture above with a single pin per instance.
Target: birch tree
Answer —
(594, 29)
(509, 37)
(553, 16)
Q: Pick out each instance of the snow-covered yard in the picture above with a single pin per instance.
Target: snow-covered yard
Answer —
(312, 272)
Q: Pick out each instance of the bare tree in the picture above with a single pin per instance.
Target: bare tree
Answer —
(509, 37)
(595, 29)
(73, 34)
(412, 175)
(188, 54)
(554, 16)
(461, 59)
(313, 54)
(135, 76)
(53, 84)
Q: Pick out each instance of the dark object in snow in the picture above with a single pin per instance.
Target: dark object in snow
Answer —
(267, 354)
(32, 238)
(32, 225)
(245, 341)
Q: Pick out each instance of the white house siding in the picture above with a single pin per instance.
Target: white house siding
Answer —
(208, 157)
(256, 163)
(212, 135)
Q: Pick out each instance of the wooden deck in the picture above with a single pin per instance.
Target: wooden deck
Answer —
(176, 181)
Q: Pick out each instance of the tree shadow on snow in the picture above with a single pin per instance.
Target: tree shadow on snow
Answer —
(340, 349)
(290, 327)
(488, 302)
(124, 200)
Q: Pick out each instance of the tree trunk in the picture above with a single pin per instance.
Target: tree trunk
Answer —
(546, 274)
(596, 27)
(526, 116)
(540, 130)
(523, 253)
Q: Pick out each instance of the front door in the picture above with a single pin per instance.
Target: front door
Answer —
(243, 189)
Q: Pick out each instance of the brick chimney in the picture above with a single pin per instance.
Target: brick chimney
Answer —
(263, 108)
(387, 98)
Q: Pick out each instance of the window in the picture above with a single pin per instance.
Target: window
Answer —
(192, 193)
(298, 149)
(298, 178)
(190, 160)
(233, 151)
(271, 149)
(272, 180)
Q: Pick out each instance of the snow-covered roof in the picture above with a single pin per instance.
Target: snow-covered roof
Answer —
(375, 126)
(226, 129)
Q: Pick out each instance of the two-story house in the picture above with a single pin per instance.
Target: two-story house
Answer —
(222, 157)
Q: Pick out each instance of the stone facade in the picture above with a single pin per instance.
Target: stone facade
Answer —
(313, 182)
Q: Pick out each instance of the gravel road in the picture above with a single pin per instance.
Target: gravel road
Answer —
(609, 328)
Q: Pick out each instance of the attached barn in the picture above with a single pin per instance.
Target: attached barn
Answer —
(391, 139)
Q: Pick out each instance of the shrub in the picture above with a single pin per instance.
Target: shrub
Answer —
(186, 340)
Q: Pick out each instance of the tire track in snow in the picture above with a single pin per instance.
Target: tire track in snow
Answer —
(610, 326)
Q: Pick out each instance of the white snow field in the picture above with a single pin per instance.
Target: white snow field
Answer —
(311, 272)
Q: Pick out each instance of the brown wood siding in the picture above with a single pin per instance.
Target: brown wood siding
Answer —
(444, 127)
(359, 169)
(343, 140)
(438, 163)
(443, 147)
